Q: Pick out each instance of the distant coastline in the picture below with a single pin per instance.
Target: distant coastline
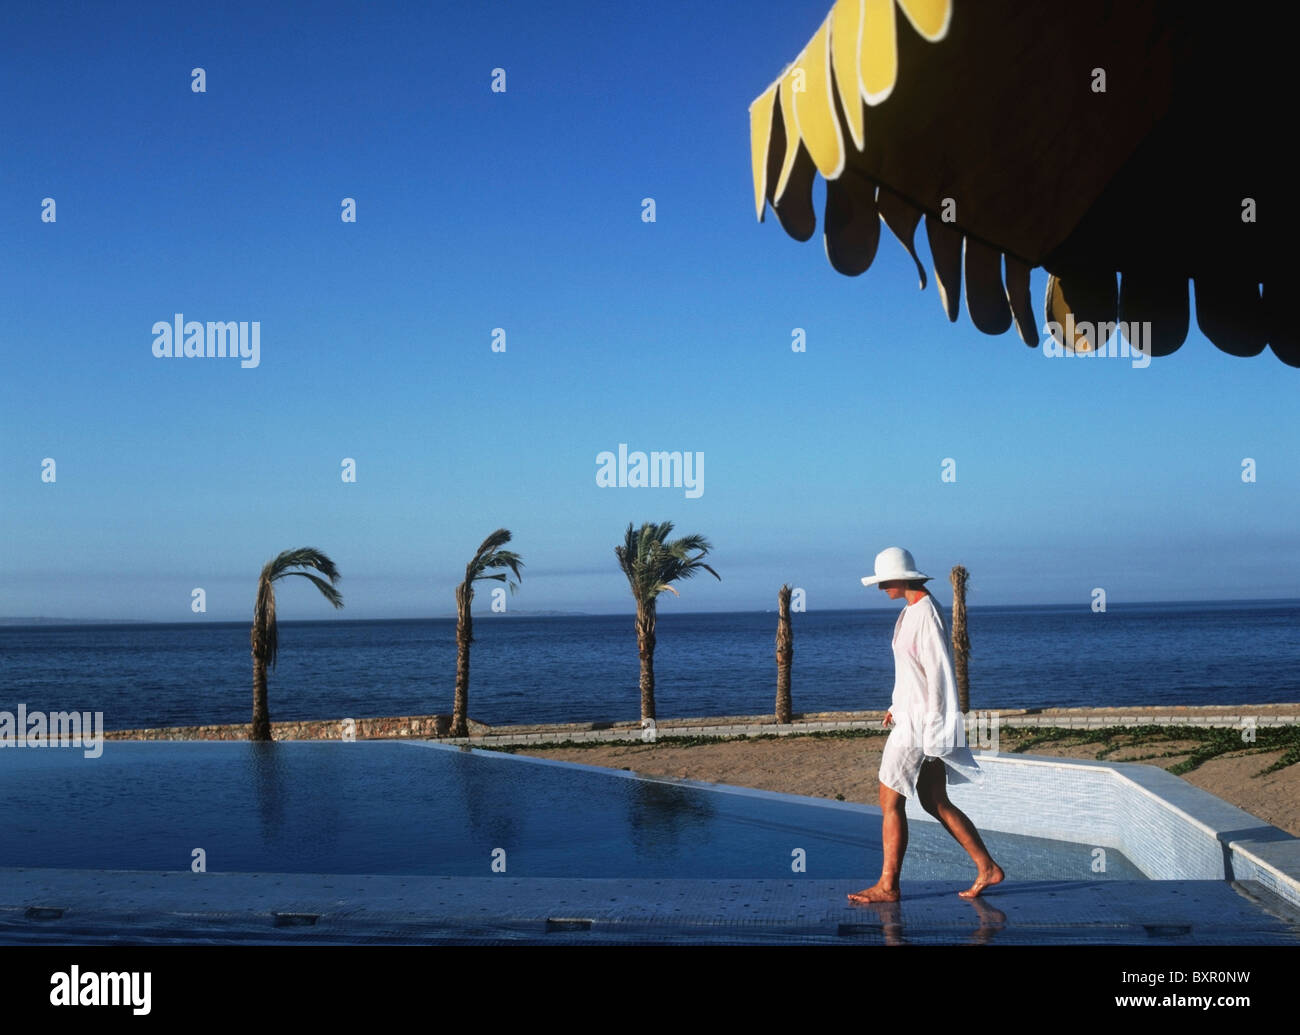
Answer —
(11, 622)
(42, 620)
(486, 615)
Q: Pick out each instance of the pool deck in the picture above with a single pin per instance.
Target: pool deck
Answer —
(89, 907)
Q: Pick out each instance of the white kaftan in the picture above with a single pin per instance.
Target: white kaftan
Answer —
(927, 719)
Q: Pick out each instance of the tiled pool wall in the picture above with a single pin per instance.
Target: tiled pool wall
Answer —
(1168, 828)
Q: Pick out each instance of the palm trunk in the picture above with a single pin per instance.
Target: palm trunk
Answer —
(261, 716)
(960, 640)
(645, 643)
(464, 637)
(784, 655)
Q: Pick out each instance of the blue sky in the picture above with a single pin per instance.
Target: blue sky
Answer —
(522, 210)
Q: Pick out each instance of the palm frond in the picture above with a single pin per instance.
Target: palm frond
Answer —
(489, 545)
(303, 557)
(652, 562)
(502, 559)
(265, 633)
(489, 557)
(327, 591)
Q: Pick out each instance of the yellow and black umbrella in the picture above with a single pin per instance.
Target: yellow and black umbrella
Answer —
(1129, 147)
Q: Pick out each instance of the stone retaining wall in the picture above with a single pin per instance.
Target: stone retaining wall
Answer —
(319, 729)
(422, 726)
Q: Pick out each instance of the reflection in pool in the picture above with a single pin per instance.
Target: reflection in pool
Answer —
(394, 807)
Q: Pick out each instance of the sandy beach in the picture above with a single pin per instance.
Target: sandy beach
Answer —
(845, 767)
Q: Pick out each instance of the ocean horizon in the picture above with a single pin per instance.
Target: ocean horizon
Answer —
(480, 611)
(585, 668)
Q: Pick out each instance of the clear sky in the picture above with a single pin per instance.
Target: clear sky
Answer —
(522, 210)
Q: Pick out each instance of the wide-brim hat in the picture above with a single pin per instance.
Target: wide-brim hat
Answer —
(895, 563)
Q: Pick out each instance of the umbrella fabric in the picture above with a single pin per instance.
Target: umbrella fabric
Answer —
(1127, 148)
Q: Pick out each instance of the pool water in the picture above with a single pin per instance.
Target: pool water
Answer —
(412, 807)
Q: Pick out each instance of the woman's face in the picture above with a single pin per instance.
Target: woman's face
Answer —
(895, 588)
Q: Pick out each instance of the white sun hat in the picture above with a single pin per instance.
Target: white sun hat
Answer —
(895, 563)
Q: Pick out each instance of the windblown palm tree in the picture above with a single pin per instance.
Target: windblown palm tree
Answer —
(652, 563)
(489, 556)
(265, 639)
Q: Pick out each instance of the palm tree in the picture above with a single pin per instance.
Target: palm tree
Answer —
(264, 637)
(784, 654)
(489, 556)
(960, 638)
(651, 563)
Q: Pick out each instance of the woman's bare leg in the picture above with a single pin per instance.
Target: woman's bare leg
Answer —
(893, 836)
(932, 789)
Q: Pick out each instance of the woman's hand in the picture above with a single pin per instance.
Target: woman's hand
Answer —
(888, 720)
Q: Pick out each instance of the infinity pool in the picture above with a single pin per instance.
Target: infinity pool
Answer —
(417, 808)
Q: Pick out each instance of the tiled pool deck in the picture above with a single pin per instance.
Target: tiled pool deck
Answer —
(1220, 877)
(103, 907)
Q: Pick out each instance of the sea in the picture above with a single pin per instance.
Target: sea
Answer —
(584, 668)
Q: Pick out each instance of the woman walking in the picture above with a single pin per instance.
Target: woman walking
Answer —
(927, 743)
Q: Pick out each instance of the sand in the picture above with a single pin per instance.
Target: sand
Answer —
(845, 768)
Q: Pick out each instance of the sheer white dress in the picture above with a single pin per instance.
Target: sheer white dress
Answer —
(927, 720)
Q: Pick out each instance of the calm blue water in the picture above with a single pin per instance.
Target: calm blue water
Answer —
(579, 669)
(401, 808)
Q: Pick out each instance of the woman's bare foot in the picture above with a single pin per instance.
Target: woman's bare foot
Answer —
(875, 893)
(992, 875)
